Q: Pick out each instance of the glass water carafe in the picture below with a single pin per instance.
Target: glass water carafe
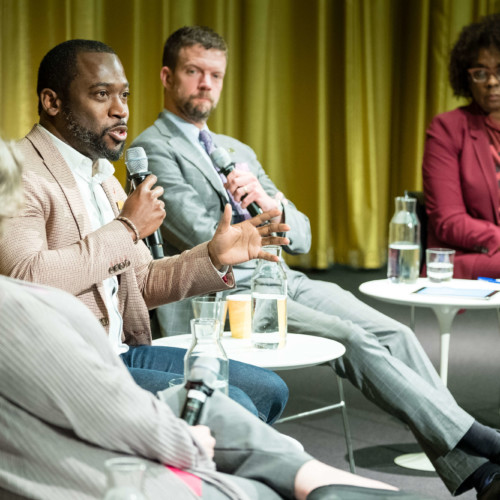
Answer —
(206, 342)
(269, 295)
(404, 242)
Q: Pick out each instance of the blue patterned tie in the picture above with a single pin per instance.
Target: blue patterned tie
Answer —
(239, 214)
(206, 140)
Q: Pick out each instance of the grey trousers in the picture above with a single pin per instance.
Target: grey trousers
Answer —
(386, 362)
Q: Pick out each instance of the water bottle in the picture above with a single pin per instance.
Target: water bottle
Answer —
(206, 342)
(269, 294)
(404, 242)
(125, 476)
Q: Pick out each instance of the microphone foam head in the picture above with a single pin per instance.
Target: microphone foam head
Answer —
(220, 157)
(205, 368)
(136, 160)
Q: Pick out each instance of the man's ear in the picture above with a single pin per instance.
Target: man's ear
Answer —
(50, 102)
(166, 77)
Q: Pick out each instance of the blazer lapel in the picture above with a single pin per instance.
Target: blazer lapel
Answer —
(55, 163)
(183, 146)
(485, 160)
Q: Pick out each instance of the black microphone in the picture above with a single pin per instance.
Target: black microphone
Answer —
(222, 160)
(137, 166)
(200, 386)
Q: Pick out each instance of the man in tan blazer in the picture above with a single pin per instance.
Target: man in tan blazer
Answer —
(79, 232)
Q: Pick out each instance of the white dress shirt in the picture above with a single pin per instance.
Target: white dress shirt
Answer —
(100, 213)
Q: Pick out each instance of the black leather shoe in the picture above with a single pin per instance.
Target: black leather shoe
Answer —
(344, 492)
(492, 491)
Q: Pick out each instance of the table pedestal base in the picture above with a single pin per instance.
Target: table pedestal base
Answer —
(416, 461)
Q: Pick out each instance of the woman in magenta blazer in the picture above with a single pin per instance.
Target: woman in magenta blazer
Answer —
(461, 166)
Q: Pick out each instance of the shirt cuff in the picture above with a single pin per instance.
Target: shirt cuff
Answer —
(222, 273)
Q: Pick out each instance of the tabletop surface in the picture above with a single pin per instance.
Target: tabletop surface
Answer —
(300, 351)
(400, 293)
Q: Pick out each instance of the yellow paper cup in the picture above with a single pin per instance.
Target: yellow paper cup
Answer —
(240, 317)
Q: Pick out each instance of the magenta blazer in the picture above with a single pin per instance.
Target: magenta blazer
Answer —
(461, 190)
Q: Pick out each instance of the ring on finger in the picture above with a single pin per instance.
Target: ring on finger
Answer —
(245, 189)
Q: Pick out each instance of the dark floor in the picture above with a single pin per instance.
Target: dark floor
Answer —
(474, 380)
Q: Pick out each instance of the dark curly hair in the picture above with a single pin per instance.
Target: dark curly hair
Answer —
(58, 68)
(481, 35)
(188, 36)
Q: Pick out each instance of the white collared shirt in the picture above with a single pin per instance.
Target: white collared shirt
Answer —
(100, 213)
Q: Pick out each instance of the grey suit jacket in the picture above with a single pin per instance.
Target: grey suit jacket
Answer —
(51, 241)
(194, 197)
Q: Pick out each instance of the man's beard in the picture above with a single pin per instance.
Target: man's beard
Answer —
(89, 142)
(195, 113)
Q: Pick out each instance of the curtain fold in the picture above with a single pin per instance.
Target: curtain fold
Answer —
(333, 95)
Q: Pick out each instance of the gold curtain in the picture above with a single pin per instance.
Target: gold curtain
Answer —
(333, 95)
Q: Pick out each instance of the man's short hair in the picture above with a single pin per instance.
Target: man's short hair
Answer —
(472, 38)
(58, 68)
(187, 37)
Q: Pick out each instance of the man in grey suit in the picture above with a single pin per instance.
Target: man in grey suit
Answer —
(383, 357)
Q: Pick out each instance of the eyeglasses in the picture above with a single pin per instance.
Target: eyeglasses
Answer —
(482, 75)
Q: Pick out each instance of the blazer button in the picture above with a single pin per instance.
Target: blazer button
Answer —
(104, 321)
(116, 268)
(111, 270)
(121, 265)
(127, 263)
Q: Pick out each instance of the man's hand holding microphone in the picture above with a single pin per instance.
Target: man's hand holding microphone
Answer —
(144, 207)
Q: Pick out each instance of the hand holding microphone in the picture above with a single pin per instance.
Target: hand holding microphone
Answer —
(143, 206)
(244, 186)
(204, 438)
(222, 160)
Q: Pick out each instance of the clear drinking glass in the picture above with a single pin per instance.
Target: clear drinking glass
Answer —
(439, 263)
(206, 343)
(125, 476)
(209, 307)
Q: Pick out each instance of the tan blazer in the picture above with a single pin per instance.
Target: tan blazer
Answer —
(51, 242)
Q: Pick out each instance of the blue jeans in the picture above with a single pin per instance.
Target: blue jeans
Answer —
(260, 391)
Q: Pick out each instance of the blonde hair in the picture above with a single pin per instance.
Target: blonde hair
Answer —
(11, 196)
